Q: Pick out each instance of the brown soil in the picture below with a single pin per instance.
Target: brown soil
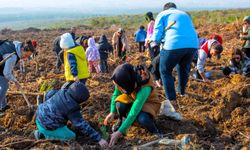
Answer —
(216, 115)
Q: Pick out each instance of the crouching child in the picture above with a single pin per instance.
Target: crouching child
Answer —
(60, 107)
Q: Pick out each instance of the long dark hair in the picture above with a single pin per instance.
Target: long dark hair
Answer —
(237, 52)
(28, 46)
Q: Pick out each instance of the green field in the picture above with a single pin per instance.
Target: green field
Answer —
(127, 21)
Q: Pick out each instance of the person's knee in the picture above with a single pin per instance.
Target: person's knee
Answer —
(143, 119)
(226, 71)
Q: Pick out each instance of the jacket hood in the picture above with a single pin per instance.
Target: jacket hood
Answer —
(18, 46)
(91, 42)
(78, 92)
(103, 39)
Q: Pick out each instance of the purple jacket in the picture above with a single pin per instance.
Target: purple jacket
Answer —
(92, 52)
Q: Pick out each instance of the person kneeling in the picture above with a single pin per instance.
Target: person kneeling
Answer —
(61, 106)
(134, 98)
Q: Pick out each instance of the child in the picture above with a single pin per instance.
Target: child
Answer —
(104, 49)
(75, 63)
(93, 55)
(208, 49)
(140, 37)
(245, 36)
(238, 64)
(134, 98)
(60, 106)
(16, 50)
(59, 54)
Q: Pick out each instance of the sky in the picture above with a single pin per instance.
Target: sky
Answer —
(98, 5)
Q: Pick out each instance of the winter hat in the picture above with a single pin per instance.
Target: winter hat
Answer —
(67, 41)
(247, 19)
(78, 92)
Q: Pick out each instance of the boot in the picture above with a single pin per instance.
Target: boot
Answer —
(168, 110)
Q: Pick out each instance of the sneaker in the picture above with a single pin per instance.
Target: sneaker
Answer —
(168, 110)
(4, 109)
(117, 125)
(38, 135)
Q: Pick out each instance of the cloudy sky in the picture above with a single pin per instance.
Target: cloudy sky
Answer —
(122, 4)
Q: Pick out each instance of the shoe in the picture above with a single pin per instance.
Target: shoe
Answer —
(5, 108)
(168, 110)
(38, 135)
(117, 125)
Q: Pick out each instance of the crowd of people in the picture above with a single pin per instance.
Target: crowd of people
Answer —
(172, 42)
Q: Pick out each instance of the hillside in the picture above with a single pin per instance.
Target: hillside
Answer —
(216, 115)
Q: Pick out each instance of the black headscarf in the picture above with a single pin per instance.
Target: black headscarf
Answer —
(128, 78)
(125, 76)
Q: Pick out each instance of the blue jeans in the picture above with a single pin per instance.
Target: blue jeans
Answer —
(4, 85)
(143, 118)
(181, 58)
(104, 65)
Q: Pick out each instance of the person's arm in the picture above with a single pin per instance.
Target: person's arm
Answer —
(73, 64)
(158, 29)
(141, 98)
(114, 96)
(50, 93)
(83, 126)
(245, 37)
(9, 66)
(201, 64)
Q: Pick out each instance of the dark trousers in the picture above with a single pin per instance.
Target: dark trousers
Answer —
(181, 58)
(141, 46)
(104, 65)
(59, 59)
(153, 52)
(143, 118)
(67, 84)
(122, 54)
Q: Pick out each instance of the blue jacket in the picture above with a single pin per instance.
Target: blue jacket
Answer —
(181, 35)
(63, 105)
(140, 35)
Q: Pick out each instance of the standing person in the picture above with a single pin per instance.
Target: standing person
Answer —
(18, 51)
(75, 62)
(73, 33)
(153, 51)
(104, 49)
(140, 37)
(181, 42)
(245, 36)
(93, 55)
(60, 107)
(120, 44)
(59, 53)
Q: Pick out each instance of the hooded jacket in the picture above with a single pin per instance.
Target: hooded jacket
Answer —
(92, 52)
(104, 47)
(63, 105)
(247, 39)
(75, 64)
(6, 49)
